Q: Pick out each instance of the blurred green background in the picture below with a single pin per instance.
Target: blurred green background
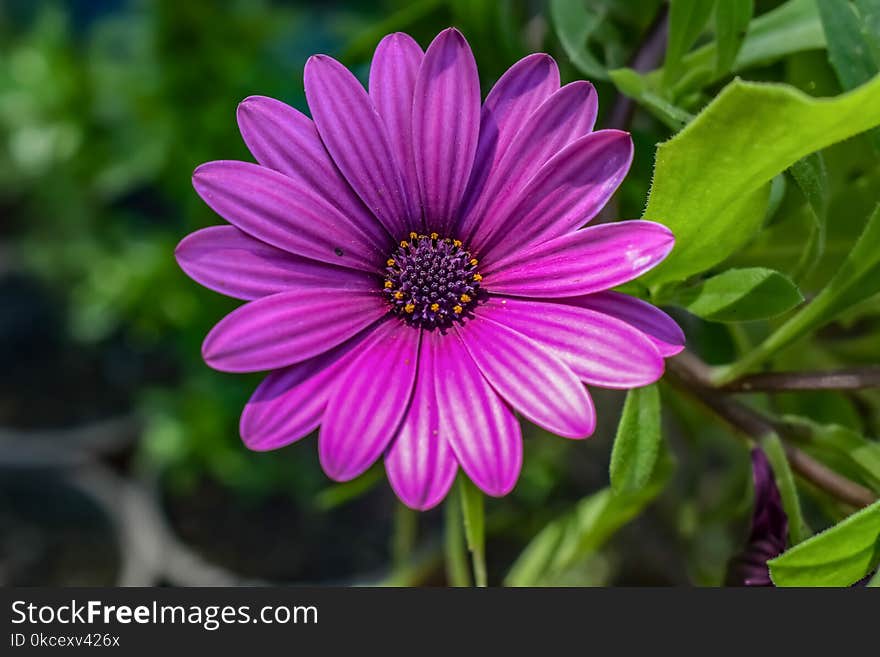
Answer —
(120, 459)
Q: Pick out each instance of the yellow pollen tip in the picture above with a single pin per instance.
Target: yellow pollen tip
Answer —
(410, 308)
(390, 262)
(398, 295)
(404, 243)
(434, 236)
(388, 285)
(457, 310)
(465, 298)
(478, 277)
(435, 307)
(456, 243)
(412, 236)
(474, 261)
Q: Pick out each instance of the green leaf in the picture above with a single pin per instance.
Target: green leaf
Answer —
(839, 556)
(575, 23)
(811, 177)
(711, 180)
(869, 17)
(740, 295)
(411, 13)
(852, 46)
(637, 444)
(832, 441)
(790, 28)
(572, 538)
(687, 18)
(857, 279)
(874, 582)
(849, 48)
(798, 530)
(631, 84)
(732, 18)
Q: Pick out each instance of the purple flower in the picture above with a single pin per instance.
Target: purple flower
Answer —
(769, 535)
(414, 270)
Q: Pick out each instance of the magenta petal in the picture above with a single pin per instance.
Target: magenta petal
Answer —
(286, 213)
(600, 350)
(420, 464)
(289, 327)
(228, 261)
(446, 126)
(482, 429)
(355, 136)
(365, 408)
(290, 402)
(534, 381)
(565, 116)
(393, 75)
(566, 193)
(286, 140)
(660, 328)
(593, 259)
(518, 93)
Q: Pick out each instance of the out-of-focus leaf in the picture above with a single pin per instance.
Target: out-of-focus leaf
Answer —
(732, 18)
(874, 582)
(575, 23)
(740, 295)
(637, 444)
(869, 17)
(711, 180)
(790, 28)
(857, 279)
(811, 177)
(413, 12)
(860, 455)
(849, 42)
(839, 556)
(340, 494)
(565, 542)
(797, 526)
(631, 84)
(852, 45)
(687, 18)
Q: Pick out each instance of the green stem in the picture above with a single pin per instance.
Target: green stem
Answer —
(457, 573)
(404, 537)
(473, 513)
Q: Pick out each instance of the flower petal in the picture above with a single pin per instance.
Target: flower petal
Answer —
(420, 464)
(393, 75)
(518, 93)
(365, 410)
(482, 429)
(286, 213)
(446, 126)
(228, 261)
(566, 115)
(535, 382)
(600, 350)
(289, 403)
(289, 327)
(286, 140)
(660, 328)
(355, 136)
(590, 260)
(566, 193)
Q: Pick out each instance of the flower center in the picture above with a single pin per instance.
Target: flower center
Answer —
(431, 281)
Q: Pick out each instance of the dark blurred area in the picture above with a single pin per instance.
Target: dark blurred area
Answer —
(120, 460)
